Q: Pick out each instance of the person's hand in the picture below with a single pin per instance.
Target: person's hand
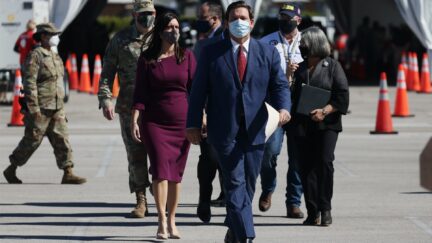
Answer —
(193, 135)
(135, 130)
(108, 112)
(317, 115)
(284, 117)
(291, 68)
(204, 127)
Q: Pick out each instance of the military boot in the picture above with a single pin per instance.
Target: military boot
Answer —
(10, 175)
(70, 178)
(141, 208)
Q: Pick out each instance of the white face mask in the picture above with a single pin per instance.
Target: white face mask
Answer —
(239, 28)
(54, 40)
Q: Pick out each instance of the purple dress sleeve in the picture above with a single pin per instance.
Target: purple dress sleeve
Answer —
(140, 85)
(191, 69)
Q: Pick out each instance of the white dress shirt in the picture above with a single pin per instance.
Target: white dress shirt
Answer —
(236, 48)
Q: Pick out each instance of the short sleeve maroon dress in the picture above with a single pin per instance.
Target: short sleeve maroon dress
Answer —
(161, 93)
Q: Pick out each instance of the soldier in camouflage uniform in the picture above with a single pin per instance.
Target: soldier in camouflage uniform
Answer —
(121, 57)
(43, 108)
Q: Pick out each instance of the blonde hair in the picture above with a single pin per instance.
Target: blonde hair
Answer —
(31, 25)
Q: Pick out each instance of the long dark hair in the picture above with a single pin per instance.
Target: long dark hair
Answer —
(155, 42)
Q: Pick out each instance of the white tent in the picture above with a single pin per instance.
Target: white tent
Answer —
(418, 16)
(63, 12)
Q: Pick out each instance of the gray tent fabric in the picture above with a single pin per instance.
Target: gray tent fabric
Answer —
(63, 12)
(418, 16)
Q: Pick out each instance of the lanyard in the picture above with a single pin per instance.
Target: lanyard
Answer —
(293, 46)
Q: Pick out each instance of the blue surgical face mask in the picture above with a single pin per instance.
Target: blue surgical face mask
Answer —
(239, 28)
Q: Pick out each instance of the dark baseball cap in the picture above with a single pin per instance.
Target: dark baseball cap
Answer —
(290, 9)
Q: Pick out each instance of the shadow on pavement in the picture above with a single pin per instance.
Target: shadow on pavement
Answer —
(80, 204)
(76, 238)
(74, 204)
(416, 193)
(85, 204)
(109, 224)
(278, 224)
(54, 215)
(31, 183)
(269, 216)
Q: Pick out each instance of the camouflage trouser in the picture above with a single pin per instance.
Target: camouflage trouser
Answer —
(53, 124)
(137, 157)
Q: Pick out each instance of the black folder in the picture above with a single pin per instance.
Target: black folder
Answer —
(312, 98)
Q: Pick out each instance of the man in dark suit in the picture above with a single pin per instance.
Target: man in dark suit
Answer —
(209, 27)
(209, 23)
(234, 77)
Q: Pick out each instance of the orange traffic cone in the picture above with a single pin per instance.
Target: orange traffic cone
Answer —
(97, 73)
(73, 78)
(416, 76)
(404, 62)
(68, 66)
(384, 124)
(401, 103)
(85, 76)
(425, 76)
(409, 76)
(116, 87)
(16, 116)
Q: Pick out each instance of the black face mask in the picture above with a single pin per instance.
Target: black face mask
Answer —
(203, 26)
(304, 51)
(287, 26)
(146, 20)
(170, 36)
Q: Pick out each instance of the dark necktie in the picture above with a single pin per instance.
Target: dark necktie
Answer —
(241, 63)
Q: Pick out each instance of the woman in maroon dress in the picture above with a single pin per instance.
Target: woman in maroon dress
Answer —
(164, 75)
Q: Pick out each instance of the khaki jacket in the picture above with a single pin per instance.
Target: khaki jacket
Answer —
(120, 57)
(43, 80)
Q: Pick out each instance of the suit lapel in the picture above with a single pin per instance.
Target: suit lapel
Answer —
(251, 60)
(229, 59)
(302, 72)
(318, 74)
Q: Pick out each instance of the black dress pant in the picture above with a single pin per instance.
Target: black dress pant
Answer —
(316, 168)
(207, 167)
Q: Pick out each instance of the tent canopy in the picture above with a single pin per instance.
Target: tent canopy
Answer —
(63, 12)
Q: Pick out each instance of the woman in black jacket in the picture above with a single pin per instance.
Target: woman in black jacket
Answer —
(316, 134)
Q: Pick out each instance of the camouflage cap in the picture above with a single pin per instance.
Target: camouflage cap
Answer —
(144, 6)
(45, 28)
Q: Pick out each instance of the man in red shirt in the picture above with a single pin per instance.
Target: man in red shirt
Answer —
(25, 42)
